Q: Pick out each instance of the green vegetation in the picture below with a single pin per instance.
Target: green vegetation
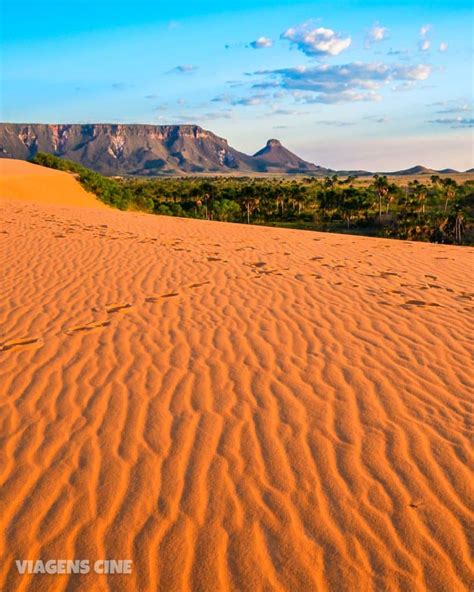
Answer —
(439, 211)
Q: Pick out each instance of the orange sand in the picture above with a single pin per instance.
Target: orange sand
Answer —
(232, 407)
(25, 181)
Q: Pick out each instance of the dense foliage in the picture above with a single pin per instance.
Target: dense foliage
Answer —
(439, 211)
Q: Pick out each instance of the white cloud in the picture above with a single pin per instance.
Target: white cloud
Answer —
(424, 44)
(316, 41)
(418, 72)
(375, 35)
(344, 96)
(443, 46)
(261, 43)
(351, 82)
(424, 30)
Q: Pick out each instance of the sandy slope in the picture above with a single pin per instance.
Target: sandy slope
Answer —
(18, 178)
(232, 407)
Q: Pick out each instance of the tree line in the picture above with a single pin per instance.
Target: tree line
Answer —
(438, 210)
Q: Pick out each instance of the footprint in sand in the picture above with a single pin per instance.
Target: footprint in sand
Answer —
(157, 298)
(216, 259)
(88, 327)
(111, 308)
(21, 342)
(409, 303)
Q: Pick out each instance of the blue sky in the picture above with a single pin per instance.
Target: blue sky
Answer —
(357, 85)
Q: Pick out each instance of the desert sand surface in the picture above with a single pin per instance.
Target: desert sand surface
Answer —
(232, 407)
(20, 180)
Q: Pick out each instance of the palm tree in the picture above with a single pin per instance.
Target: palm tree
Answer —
(250, 204)
(419, 191)
(382, 189)
(449, 189)
(458, 227)
(331, 182)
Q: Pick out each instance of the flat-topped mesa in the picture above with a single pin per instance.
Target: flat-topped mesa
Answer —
(163, 132)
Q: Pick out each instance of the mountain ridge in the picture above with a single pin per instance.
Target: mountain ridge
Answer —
(148, 150)
(141, 149)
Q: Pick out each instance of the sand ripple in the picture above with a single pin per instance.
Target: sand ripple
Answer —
(233, 408)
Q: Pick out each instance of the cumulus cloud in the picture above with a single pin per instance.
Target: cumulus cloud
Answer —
(261, 43)
(424, 30)
(316, 41)
(375, 35)
(455, 122)
(443, 46)
(418, 72)
(355, 81)
(424, 43)
(344, 96)
(184, 69)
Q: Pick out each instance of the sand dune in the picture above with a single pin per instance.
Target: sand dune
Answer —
(18, 178)
(232, 407)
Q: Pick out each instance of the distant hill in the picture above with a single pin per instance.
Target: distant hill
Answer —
(416, 170)
(275, 157)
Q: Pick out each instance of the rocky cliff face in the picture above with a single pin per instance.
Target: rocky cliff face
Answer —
(116, 149)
